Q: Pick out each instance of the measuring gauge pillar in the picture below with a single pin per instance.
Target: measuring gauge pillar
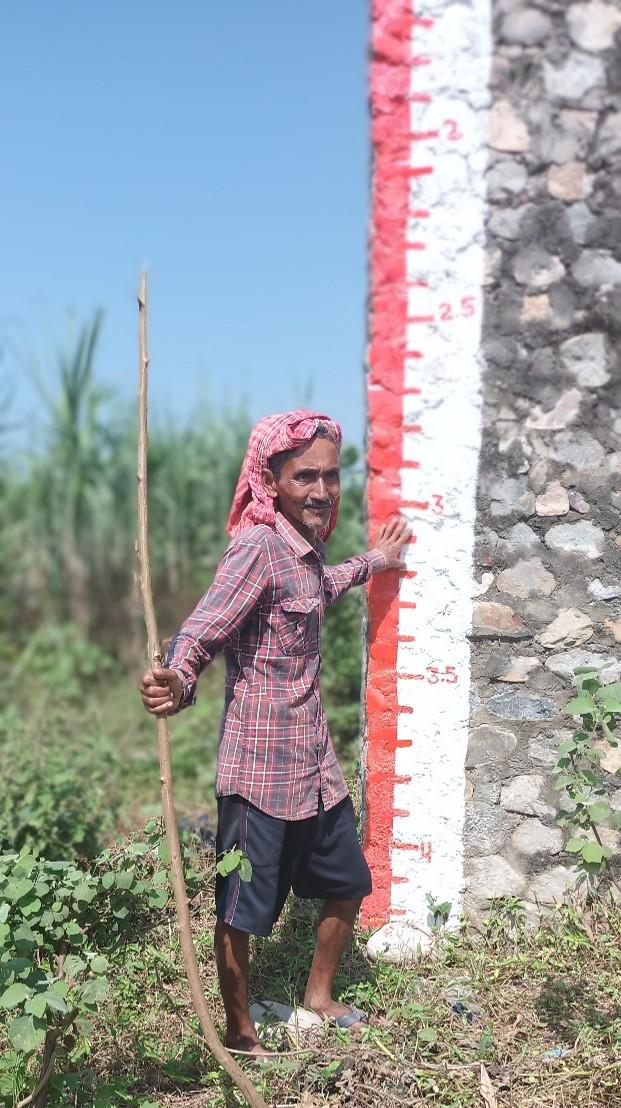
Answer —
(429, 100)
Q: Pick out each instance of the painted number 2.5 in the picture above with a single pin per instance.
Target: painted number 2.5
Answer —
(466, 308)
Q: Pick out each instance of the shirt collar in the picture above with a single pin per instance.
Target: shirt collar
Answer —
(294, 539)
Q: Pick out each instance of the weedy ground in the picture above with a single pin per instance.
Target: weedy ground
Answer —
(540, 1011)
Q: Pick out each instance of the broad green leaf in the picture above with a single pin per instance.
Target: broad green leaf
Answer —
(428, 1035)
(4, 913)
(245, 869)
(574, 846)
(30, 906)
(580, 706)
(158, 898)
(610, 700)
(138, 848)
(36, 1005)
(563, 781)
(229, 862)
(74, 966)
(84, 893)
(26, 1033)
(600, 811)
(17, 888)
(594, 853)
(125, 878)
(25, 865)
(568, 747)
(14, 995)
(24, 937)
(108, 879)
(56, 1002)
(164, 852)
(94, 990)
(99, 964)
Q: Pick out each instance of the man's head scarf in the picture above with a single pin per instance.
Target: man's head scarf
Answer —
(273, 434)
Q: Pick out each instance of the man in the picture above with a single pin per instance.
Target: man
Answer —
(281, 794)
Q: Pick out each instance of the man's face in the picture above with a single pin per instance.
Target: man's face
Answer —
(307, 486)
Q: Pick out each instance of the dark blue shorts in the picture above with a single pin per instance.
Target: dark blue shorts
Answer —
(319, 858)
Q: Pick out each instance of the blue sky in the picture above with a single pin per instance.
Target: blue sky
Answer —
(222, 145)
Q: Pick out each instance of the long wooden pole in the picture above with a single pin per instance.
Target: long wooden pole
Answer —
(163, 740)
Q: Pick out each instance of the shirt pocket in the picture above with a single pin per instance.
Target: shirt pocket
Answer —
(298, 624)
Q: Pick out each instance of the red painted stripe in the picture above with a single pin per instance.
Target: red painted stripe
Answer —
(390, 112)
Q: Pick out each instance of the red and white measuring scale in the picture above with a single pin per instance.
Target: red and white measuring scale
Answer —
(429, 100)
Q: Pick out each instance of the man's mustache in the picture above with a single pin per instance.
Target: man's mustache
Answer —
(317, 504)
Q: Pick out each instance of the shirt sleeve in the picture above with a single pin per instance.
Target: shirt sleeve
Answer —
(355, 571)
(241, 579)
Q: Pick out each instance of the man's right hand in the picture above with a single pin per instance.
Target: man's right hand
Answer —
(161, 691)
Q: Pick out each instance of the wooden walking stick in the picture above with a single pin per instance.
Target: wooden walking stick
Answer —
(163, 741)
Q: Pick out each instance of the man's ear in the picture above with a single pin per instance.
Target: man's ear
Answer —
(269, 483)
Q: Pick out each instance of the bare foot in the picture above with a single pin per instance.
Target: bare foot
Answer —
(333, 1011)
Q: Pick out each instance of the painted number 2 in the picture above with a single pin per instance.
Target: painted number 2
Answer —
(453, 130)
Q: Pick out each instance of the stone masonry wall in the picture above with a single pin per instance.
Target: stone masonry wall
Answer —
(549, 498)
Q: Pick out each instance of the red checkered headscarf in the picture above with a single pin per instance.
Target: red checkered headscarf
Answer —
(273, 434)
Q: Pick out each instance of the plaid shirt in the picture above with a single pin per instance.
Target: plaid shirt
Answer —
(265, 610)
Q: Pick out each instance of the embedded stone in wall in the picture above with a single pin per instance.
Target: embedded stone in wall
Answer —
(595, 268)
(574, 77)
(521, 537)
(515, 705)
(492, 876)
(565, 664)
(587, 358)
(553, 885)
(506, 130)
(519, 669)
(487, 828)
(512, 497)
(534, 837)
(489, 745)
(525, 795)
(578, 449)
(497, 621)
(570, 628)
(570, 181)
(604, 592)
(526, 578)
(544, 748)
(564, 412)
(554, 501)
(536, 268)
(592, 26)
(526, 27)
(582, 538)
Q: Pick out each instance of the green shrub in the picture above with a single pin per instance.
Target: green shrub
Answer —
(60, 791)
(63, 928)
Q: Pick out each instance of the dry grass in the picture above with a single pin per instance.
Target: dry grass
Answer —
(523, 994)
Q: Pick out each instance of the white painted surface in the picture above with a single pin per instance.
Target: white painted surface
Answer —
(448, 374)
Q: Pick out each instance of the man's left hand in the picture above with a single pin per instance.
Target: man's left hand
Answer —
(390, 538)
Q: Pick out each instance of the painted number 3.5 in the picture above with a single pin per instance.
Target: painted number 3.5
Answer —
(446, 676)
